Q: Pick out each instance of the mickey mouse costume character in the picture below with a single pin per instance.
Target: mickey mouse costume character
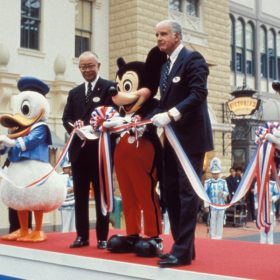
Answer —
(27, 147)
(137, 156)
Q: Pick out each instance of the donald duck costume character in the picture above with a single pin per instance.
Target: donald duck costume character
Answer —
(27, 147)
(217, 191)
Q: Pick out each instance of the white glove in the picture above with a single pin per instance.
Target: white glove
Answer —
(273, 139)
(6, 141)
(161, 119)
(116, 121)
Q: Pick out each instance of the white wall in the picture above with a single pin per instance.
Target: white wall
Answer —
(271, 7)
(57, 38)
(247, 3)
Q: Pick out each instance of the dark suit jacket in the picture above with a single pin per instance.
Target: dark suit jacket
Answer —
(77, 109)
(187, 91)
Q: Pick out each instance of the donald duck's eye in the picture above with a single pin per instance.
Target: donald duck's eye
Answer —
(25, 107)
(127, 85)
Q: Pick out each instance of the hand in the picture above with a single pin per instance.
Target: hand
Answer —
(161, 119)
(6, 141)
(116, 121)
(80, 133)
(140, 130)
(275, 139)
(78, 124)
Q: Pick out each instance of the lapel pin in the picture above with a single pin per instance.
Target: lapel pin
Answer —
(96, 99)
(176, 79)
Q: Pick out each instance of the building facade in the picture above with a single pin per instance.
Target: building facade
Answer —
(44, 39)
(255, 64)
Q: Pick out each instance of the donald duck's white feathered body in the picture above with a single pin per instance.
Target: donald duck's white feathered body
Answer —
(27, 147)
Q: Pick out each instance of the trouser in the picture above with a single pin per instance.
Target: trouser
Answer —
(68, 220)
(216, 223)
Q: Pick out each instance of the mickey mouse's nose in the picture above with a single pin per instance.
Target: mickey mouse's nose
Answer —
(112, 91)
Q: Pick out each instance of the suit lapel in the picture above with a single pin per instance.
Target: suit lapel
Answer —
(94, 98)
(177, 64)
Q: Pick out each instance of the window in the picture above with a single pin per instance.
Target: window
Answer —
(250, 49)
(271, 55)
(30, 24)
(278, 55)
(232, 44)
(263, 52)
(83, 30)
(188, 7)
(239, 55)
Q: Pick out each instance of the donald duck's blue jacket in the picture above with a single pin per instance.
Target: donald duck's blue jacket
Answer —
(32, 146)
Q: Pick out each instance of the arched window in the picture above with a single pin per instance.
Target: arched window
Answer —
(271, 54)
(239, 57)
(263, 36)
(232, 44)
(250, 66)
(278, 55)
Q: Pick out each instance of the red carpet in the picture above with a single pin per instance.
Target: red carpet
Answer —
(222, 257)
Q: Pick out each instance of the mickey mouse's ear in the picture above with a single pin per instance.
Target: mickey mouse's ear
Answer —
(120, 62)
(154, 61)
(155, 58)
(33, 84)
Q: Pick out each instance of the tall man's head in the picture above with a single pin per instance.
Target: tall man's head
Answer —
(169, 35)
(89, 65)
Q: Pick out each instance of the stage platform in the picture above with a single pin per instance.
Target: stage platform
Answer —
(216, 259)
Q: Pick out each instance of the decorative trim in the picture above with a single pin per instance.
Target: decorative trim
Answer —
(30, 52)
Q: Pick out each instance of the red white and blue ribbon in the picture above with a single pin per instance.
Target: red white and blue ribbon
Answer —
(98, 116)
(44, 178)
(265, 165)
(195, 180)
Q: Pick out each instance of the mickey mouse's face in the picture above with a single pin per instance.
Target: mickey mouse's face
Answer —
(129, 82)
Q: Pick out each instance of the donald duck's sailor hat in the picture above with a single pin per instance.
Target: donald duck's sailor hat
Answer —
(32, 84)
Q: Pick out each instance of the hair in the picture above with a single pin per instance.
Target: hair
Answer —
(89, 53)
(174, 25)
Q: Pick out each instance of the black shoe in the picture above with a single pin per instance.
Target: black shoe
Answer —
(149, 247)
(122, 244)
(171, 261)
(79, 242)
(163, 256)
(101, 244)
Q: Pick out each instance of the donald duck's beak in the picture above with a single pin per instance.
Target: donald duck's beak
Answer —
(18, 124)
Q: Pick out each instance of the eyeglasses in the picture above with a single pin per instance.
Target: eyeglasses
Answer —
(88, 66)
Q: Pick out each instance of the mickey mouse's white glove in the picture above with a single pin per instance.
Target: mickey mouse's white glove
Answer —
(161, 119)
(116, 121)
(6, 142)
(274, 138)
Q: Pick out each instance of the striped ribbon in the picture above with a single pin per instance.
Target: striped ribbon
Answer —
(98, 116)
(44, 178)
(265, 165)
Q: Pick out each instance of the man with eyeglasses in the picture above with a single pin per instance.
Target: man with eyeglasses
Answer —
(81, 102)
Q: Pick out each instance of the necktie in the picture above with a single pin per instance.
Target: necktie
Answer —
(88, 93)
(165, 75)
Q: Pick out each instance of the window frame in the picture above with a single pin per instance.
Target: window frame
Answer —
(26, 39)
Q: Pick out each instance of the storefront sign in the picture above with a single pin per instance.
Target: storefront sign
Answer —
(243, 106)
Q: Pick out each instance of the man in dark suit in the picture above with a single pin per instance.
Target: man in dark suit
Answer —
(183, 104)
(82, 100)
